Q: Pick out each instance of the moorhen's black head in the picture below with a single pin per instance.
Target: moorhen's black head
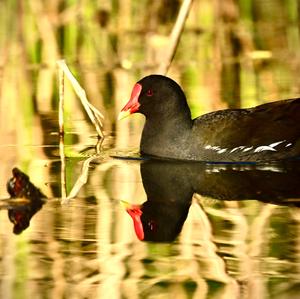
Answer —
(156, 95)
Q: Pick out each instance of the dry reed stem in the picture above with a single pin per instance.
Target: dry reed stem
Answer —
(175, 36)
(93, 113)
(61, 133)
(61, 101)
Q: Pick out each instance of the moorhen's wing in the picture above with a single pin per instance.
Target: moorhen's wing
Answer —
(267, 132)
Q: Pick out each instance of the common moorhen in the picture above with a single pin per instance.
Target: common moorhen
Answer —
(264, 133)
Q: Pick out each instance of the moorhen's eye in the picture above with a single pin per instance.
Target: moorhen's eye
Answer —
(149, 93)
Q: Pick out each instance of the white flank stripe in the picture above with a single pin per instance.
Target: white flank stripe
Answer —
(222, 151)
(264, 148)
(247, 149)
(276, 143)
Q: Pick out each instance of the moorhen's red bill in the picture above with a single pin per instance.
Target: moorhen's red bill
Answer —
(264, 133)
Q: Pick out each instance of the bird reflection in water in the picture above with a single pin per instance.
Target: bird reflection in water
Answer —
(170, 187)
(30, 200)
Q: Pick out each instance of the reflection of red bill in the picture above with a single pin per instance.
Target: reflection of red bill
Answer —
(135, 213)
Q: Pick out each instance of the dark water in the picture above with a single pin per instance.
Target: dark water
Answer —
(151, 229)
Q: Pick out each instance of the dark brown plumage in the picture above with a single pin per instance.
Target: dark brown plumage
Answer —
(263, 133)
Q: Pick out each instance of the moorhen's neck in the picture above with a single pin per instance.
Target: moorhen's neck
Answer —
(176, 116)
(170, 127)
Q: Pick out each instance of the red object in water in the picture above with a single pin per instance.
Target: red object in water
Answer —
(136, 213)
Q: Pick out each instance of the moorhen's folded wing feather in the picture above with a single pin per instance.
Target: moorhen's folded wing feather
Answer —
(269, 131)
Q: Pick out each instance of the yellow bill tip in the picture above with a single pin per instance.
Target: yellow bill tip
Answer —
(125, 204)
(123, 114)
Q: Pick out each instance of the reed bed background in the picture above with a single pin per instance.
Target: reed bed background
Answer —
(232, 53)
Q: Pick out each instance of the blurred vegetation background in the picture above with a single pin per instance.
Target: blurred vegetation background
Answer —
(232, 53)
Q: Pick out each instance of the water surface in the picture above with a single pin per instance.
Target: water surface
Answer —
(154, 228)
